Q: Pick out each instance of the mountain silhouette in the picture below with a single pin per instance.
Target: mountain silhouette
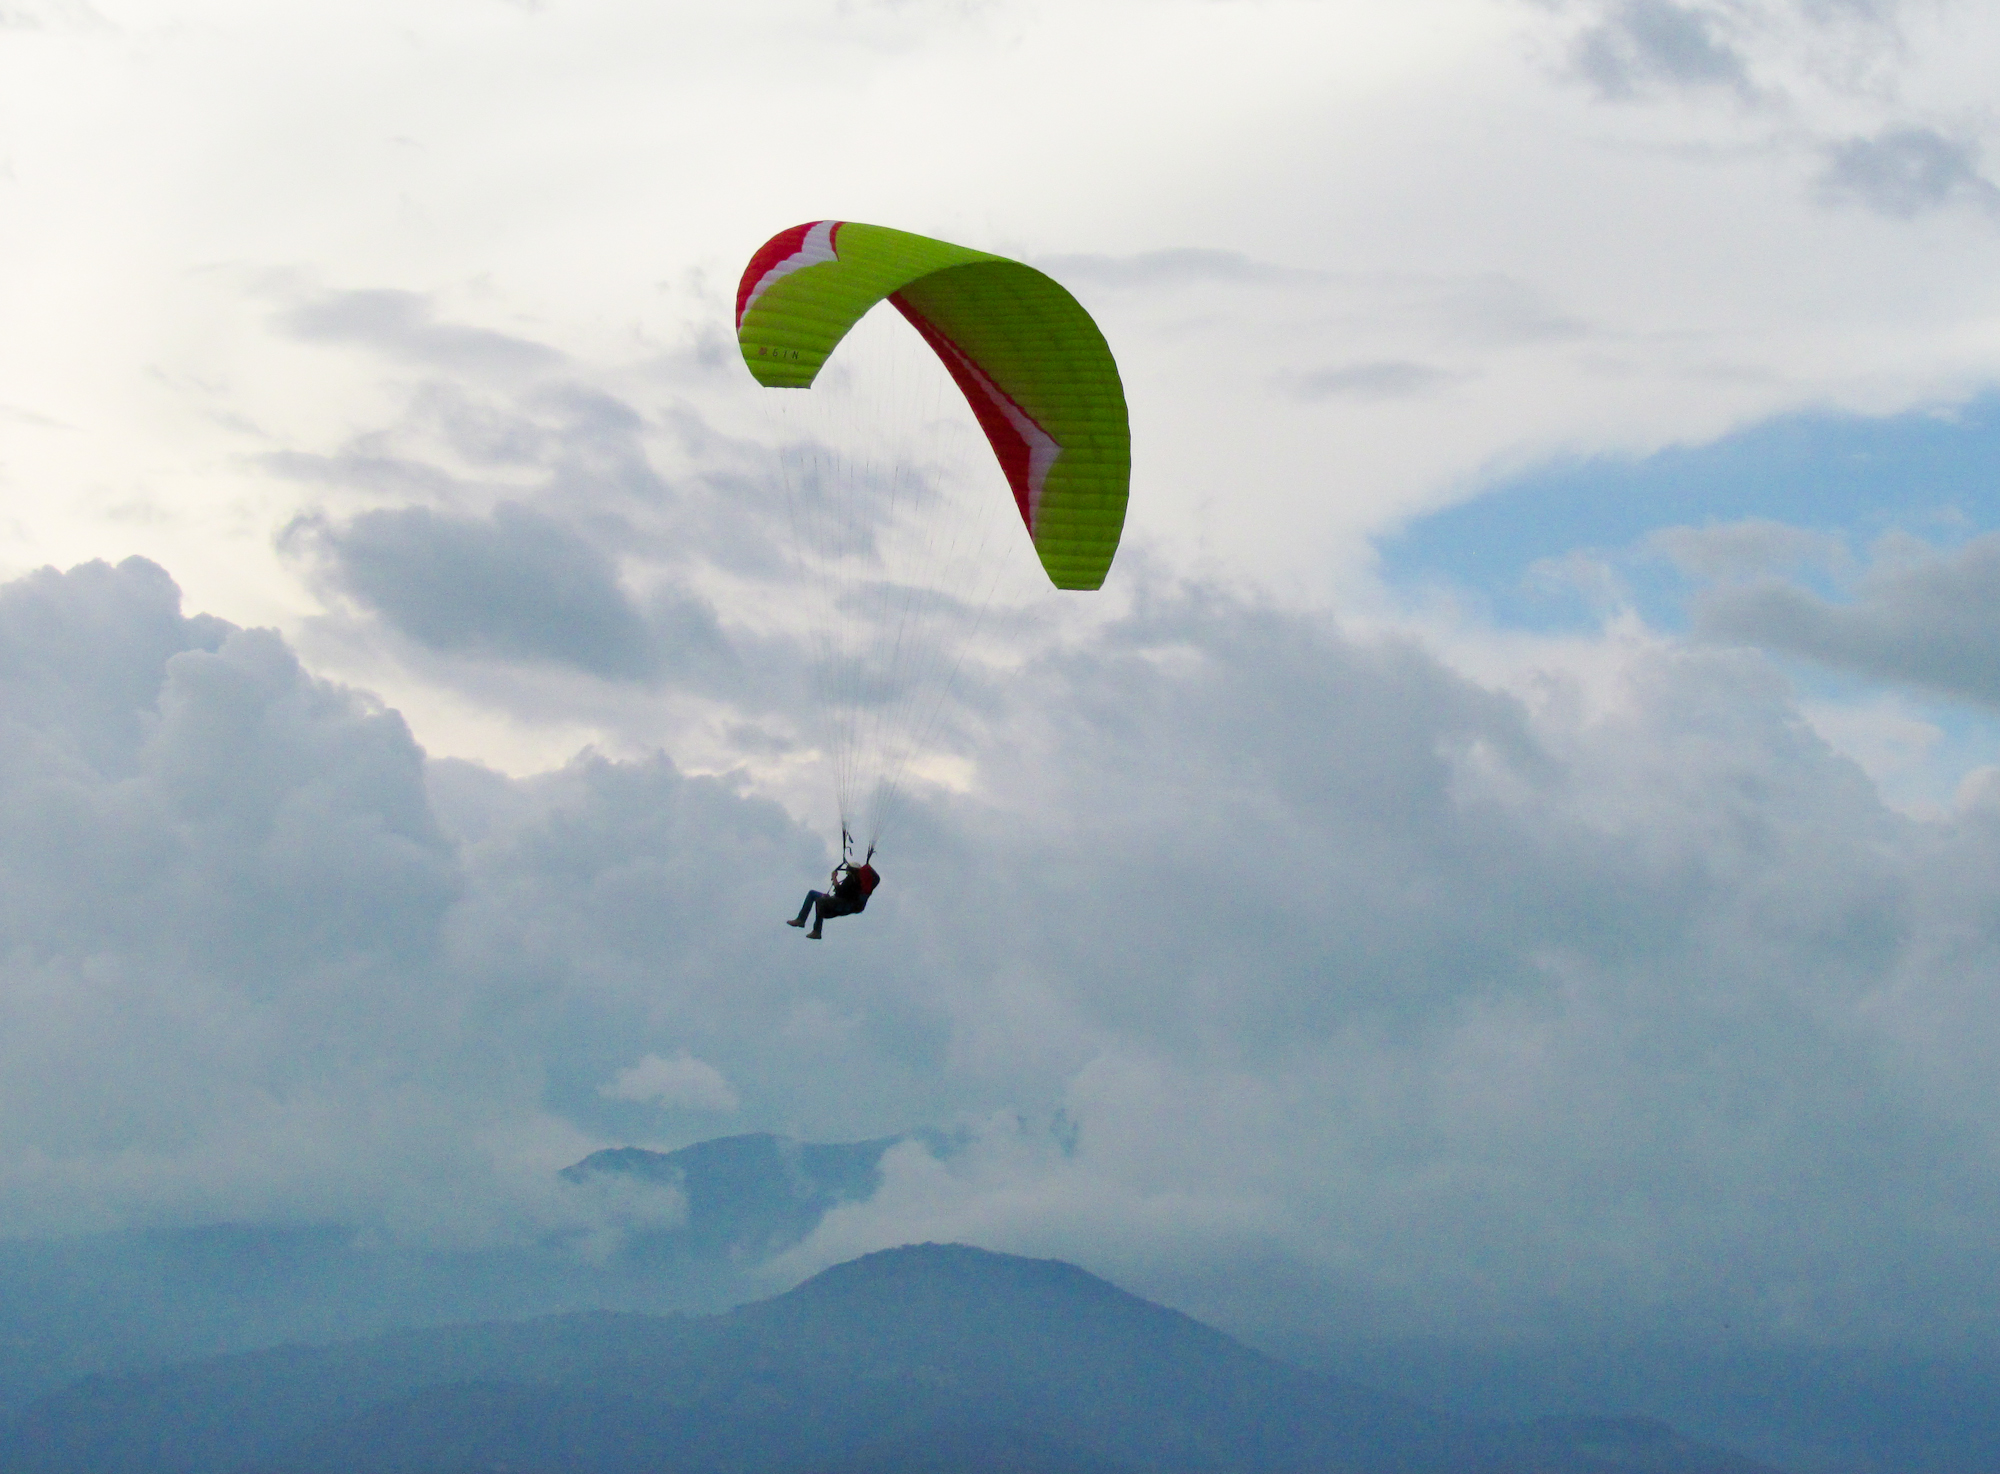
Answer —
(931, 1359)
(125, 1300)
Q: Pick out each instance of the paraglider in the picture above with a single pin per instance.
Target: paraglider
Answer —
(1045, 393)
(1031, 362)
(851, 886)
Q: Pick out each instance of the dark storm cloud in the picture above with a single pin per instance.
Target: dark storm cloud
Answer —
(1638, 43)
(1611, 1009)
(404, 325)
(513, 585)
(1905, 172)
(1923, 619)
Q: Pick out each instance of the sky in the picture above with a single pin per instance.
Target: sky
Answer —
(1511, 850)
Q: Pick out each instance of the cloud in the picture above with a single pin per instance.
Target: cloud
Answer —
(543, 532)
(29, 417)
(1389, 379)
(1501, 312)
(1904, 172)
(251, 975)
(1922, 618)
(571, 452)
(1764, 51)
(512, 585)
(84, 654)
(63, 16)
(1646, 41)
(207, 852)
(1506, 973)
(403, 325)
(1741, 550)
(1248, 943)
(1605, 1001)
(1175, 266)
(680, 1081)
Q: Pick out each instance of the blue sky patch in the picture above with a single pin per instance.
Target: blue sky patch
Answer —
(1926, 473)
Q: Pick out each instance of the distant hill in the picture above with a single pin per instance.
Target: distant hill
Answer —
(117, 1301)
(137, 1300)
(936, 1359)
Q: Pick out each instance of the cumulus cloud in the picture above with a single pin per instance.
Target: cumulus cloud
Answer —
(680, 1081)
(1924, 618)
(208, 852)
(1904, 172)
(1470, 992)
(1251, 942)
(237, 979)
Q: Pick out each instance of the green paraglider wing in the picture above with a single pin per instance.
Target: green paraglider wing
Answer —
(1031, 362)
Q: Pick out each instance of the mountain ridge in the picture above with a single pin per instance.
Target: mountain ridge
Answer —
(876, 1366)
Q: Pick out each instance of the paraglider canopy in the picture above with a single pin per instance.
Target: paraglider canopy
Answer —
(1030, 361)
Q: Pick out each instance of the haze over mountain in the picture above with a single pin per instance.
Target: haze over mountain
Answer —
(931, 1357)
(139, 1302)
(106, 1302)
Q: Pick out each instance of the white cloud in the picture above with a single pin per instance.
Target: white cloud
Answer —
(681, 1081)
(1455, 1010)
